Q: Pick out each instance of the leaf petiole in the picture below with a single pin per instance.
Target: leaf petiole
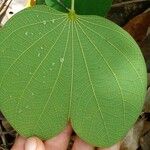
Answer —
(72, 5)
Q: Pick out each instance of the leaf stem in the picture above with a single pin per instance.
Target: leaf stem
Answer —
(72, 5)
(72, 14)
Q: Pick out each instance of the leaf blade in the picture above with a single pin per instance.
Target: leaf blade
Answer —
(88, 70)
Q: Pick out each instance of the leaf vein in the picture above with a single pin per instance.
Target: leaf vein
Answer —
(91, 83)
(139, 77)
(72, 72)
(61, 66)
(26, 51)
(33, 24)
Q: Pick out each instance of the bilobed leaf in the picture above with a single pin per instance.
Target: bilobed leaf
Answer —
(54, 70)
(83, 7)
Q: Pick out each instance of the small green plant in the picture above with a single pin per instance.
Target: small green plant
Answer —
(58, 67)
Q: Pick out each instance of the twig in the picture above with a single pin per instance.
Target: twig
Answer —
(7, 132)
(128, 2)
(1, 148)
(3, 136)
(4, 9)
(3, 4)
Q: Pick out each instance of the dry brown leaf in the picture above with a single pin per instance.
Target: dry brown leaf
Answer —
(131, 141)
(138, 26)
(6, 125)
(145, 141)
(148, 78)
(145, 46)
(147, 102)
(146, 127)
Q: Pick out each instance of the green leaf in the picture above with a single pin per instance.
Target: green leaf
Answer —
(39, 2)
(54, 70)
(57, 5)
(83, 7)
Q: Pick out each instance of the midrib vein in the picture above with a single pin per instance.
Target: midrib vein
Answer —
(72, 70)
